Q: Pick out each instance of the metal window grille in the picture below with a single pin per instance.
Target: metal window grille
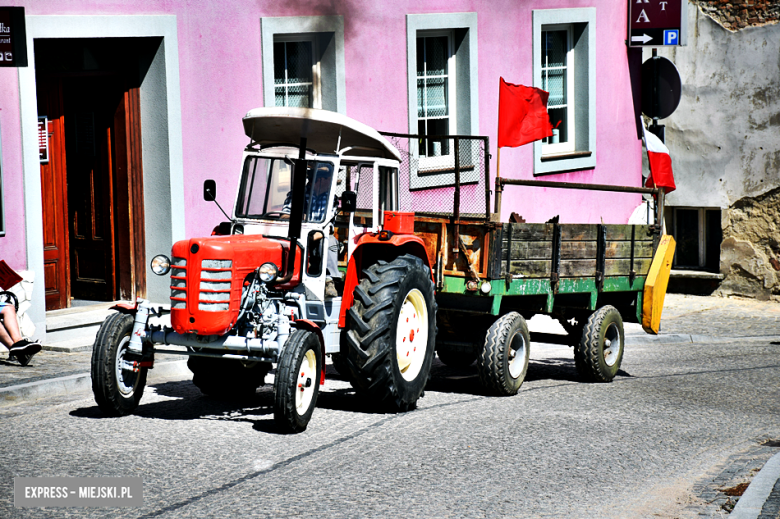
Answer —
(433, 99)
(293, 78)
(556, 73)
(458, 189)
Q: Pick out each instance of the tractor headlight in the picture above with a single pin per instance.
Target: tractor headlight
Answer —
(161, 265)
(268, 272)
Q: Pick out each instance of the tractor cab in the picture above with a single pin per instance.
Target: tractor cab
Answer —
(300, 171)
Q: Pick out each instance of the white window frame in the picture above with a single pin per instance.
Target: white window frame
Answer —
(316, 94)
(331, 74)
(548, 148)
(582, 132)
(442, 161)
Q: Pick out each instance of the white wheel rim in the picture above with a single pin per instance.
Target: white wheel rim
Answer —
(611, 344)
(307, 380)
(123, 375)
(518, 350)
(411, 334)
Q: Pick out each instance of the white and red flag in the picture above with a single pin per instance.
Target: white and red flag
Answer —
(660, 163)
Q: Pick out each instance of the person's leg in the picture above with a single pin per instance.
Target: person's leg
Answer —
(10, 323)
(5, 339)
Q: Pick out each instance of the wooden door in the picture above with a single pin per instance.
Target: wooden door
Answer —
(129, 198)
(90, 103)
(56, 269)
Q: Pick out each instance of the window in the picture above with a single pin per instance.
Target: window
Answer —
(435, 97)
(303, 62)
(266, 190)
(698, 234)
(296, 74)
(443, 92)
(558, 79)
(564, 46)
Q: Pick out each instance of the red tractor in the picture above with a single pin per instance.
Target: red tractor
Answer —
(253, 295)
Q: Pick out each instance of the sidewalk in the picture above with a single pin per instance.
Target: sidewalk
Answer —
(686, 319)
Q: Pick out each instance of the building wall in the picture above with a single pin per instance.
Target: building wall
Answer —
(724, 137)
(220, 76)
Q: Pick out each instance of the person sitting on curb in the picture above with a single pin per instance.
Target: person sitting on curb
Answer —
(18, 347)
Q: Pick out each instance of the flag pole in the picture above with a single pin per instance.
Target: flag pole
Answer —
(499, 187)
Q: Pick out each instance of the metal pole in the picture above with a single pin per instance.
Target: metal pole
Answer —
(574, 185)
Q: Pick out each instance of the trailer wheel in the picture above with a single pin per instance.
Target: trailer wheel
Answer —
(297, 381)
(599, 353)
(504, 360)
(391, 329)
(117, 390)
(225, 378)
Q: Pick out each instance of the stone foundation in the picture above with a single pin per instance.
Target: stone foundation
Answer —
(750, 251)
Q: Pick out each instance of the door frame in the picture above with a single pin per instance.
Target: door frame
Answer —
(163, 162)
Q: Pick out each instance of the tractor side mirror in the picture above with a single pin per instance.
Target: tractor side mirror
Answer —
(210, 191)
(348, 201)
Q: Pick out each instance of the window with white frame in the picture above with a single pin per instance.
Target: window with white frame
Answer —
(557, 67)
(435, 96)
(303, 62)
(296, 72)
(564, 47)
(443, 94)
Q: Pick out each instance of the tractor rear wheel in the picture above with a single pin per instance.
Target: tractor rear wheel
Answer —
(390, 335)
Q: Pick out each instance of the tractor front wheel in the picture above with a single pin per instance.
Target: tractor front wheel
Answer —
(297, 381)
(117, 386)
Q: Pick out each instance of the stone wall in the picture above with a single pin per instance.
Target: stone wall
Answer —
(750, 252)
(736, 15)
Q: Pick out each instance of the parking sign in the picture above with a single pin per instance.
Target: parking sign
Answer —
(656, 23)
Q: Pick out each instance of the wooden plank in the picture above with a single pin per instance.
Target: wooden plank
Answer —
(575, 232)
(522, 250)
(578, 268)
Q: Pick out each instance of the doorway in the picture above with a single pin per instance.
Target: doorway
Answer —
(88, 94)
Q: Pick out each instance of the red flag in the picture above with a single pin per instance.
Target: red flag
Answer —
(660, 163)
(522, 115)
(8, 277)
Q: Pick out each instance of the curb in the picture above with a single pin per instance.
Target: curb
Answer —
(674, 338)
(74, 383)
(752, 501)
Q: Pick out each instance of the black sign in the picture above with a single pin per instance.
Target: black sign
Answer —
(13, 37)
(655, 23)
(661, 88)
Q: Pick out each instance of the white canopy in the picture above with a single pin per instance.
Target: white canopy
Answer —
(321, 128)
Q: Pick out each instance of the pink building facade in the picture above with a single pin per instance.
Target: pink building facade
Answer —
(184, 74)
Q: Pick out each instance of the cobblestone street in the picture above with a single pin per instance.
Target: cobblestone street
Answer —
(680, 424)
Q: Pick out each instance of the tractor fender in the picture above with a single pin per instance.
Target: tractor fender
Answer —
(305, 324)
(371, 248)
(126, 307)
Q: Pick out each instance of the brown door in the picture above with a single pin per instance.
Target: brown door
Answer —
(129, 197)
(55, 206)
(88, 123)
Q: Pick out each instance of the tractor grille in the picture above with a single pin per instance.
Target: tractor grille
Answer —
(215, 283)
(179, 283)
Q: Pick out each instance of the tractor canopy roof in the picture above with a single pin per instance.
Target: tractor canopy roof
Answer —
(325, 132)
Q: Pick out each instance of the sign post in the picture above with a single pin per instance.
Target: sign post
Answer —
(13, 37)
(657, 23)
